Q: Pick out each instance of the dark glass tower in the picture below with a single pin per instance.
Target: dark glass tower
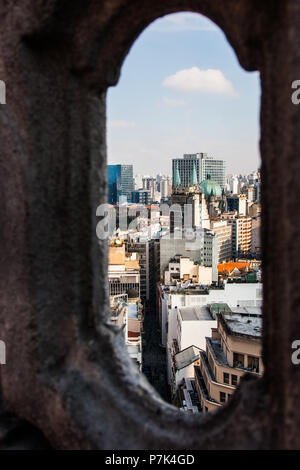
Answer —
(120, 183)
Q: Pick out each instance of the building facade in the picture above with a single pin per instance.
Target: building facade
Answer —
(202, 165)
(223, 232)
(123, 270)
(120, 183)
(233, 349)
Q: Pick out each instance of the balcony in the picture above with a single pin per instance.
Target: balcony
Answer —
(217, 352)
(202, 386)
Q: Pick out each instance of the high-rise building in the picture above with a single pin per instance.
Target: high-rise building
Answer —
(164, 188)
(183, 169)
(145, 247)
(193, 169)
(215, 168)
(223, 231)
(138, 182)
(233, 184)
(120, 183)
(241, 235)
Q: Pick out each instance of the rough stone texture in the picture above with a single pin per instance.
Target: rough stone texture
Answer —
(67, 373)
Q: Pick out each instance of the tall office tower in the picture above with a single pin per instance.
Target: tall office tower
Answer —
(216, 168)
(184, 167)
(145, 247)
(164, 188)
(234, 184)
(200, 164)
(241, 236)
(120, 183)
(138, 182)
(149, 183)
(257, 190)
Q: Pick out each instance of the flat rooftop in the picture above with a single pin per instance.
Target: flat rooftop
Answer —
(197, 313)
(244, 323)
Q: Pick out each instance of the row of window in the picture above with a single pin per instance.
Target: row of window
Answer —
(223, 397)
(252, 365)
(226, 379)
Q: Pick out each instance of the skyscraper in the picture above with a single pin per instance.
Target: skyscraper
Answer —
(120, 183)
(182, 169)
(216, 168)
(193, 169)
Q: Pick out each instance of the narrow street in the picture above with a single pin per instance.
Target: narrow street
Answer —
(154, 356)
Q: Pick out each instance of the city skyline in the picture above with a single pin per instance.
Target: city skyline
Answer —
(198, 99)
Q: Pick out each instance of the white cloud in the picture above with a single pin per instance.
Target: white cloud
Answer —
(195, 79)
(121, 124)
(173, 102)
(178, 22)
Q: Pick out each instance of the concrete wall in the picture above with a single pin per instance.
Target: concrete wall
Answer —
(74, 384)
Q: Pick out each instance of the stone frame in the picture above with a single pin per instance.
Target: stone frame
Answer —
(67, 372)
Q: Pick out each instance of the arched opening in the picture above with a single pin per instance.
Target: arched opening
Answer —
(183, 130)
(72, 382)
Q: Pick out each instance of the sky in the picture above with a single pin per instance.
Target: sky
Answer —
(182, 90)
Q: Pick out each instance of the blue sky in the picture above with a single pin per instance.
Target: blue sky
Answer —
(182, 90)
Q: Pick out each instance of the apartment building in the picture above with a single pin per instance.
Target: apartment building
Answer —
(146, 248)
(184, 269)
(233, 349)
(123, 269)
(241, 235)
(188, 326)
(239, 293)
(223, 230)
(256, 240)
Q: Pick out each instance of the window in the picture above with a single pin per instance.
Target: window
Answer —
(234, 380)
(222, 397)
(238, 360)
(253, 363)
(226, 378)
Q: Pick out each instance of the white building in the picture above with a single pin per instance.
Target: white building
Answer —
(184, 269)
(188, 326)
(202, 248)
(235, 294)
(223, 231)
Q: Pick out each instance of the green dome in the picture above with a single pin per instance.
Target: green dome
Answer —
(210, 187)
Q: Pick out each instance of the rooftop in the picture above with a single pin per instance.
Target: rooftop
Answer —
(241, 322)
(196, 313)
(186, 357)
(217, 351)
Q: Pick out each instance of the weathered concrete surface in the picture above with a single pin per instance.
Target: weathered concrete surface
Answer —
(67, 373)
